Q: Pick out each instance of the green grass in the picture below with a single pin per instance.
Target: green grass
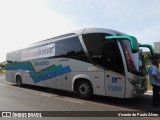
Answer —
(148, 83)
(2, 71)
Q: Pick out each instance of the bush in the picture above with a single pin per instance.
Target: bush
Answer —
(2, 71)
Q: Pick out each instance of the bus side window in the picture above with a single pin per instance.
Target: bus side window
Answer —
(112, 59)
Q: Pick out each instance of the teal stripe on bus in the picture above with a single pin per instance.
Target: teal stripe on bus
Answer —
(44, 74)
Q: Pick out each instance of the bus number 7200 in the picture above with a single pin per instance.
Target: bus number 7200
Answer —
(114, 88)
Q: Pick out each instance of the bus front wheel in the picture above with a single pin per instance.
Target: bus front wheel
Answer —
(84, 89)
(19, 81)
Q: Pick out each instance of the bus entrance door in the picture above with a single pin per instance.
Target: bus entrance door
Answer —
(114, 84)
(114, 70)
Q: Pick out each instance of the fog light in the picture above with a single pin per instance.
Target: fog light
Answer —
(134, 92)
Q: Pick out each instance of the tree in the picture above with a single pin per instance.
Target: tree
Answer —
(154, 57)
(2, 65)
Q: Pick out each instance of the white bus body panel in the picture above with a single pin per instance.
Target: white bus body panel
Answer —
(83, 71)
(107, 83)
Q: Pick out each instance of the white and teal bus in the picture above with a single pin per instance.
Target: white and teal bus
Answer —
(92, 61)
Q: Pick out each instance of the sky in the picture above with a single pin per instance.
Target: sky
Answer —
(24, 22)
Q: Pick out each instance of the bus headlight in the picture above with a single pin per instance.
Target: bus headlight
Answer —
(135, 83)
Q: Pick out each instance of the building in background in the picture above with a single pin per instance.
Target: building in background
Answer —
(157, 47)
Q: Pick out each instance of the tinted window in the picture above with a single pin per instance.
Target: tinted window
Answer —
(70, 48)
(67, 48)
(133, 59)
(94, 43)
(112, 59)
(103, 52)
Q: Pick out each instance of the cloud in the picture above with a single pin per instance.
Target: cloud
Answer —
(40, 22)
(24, 22)
(149, 35)
(134, 17)
(119, 15)
(8, 26)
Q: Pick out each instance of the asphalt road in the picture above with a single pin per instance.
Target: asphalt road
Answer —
(32, 98)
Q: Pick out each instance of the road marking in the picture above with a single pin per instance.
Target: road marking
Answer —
(93, 104)
(4, 85)
(49, 95)
(73, 100)
(70, 100)
(149, 92)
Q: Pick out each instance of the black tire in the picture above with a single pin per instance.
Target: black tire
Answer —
(19, 81)
(84, 89)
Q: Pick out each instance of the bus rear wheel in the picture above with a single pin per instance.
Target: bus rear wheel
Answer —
(19, 81)
(84, 89)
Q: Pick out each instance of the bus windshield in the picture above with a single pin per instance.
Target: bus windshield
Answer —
(134, 61)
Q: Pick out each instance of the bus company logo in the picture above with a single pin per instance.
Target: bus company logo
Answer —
(41, 63)
(39, 52)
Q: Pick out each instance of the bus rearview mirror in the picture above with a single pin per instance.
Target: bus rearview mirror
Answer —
(133, 41)
(147, 46)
